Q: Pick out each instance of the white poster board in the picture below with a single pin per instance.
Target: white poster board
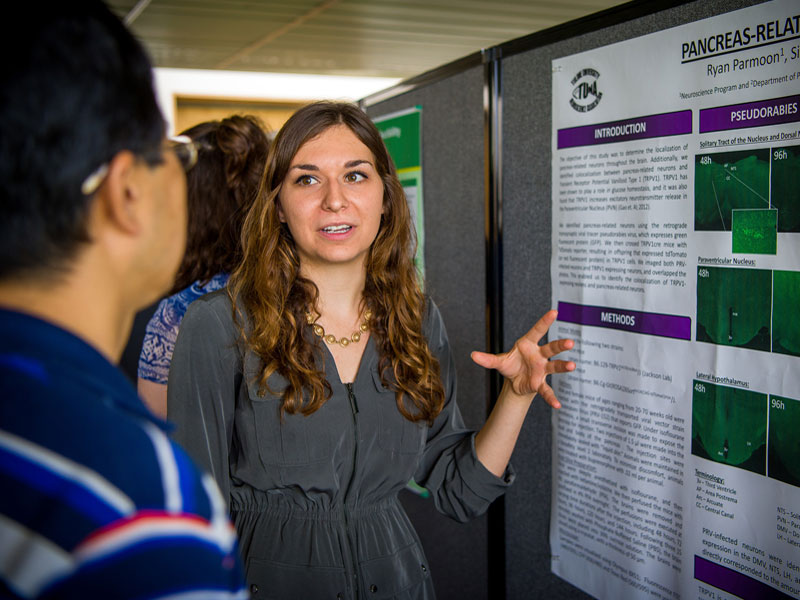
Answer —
(676, 268)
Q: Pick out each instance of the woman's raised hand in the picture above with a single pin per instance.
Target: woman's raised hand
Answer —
(527, 364)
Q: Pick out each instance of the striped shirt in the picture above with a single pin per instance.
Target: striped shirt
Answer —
(95, 500)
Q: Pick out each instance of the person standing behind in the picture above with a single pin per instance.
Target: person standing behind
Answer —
(96, 501)
(221, 188)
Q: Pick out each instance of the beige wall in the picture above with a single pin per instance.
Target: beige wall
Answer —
(190, 111)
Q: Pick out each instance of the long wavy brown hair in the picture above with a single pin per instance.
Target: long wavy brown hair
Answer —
(271, 298)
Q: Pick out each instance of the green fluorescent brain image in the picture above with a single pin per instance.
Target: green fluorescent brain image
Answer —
(727, 181)
(729, 425)
(785, 309)
(733, 307)
(784, 441)
(786, 187)
(755, 231)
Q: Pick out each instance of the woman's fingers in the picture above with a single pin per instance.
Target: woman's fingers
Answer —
(548, 395)
(560, 366)
(539, 330)
(486, 360)
(557, 347)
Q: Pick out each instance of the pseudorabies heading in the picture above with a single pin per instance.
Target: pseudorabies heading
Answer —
(762, 34)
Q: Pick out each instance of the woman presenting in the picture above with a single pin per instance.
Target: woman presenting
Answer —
(321, 381)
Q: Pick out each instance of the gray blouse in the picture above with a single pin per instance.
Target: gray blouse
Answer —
(314, 499)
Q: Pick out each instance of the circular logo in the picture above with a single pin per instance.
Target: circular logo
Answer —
(584, 91)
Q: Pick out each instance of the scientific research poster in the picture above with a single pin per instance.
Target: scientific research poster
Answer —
(402, 133)
(676, 268)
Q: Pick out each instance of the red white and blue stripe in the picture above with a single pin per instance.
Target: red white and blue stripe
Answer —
(96, 500)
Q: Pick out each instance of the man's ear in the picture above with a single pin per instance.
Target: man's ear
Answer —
(122, 192)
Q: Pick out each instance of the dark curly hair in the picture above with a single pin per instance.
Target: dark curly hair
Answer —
(220, 189)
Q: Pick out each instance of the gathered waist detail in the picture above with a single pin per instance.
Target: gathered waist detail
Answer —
(288, 506)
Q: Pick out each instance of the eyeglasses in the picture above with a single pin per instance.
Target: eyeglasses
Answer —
(183, 146)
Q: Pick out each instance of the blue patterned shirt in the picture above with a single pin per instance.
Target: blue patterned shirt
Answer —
(162, 330)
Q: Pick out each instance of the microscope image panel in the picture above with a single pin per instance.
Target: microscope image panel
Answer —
(729, 181)
(733, 307)
(785, 188)
(729, 426)
(786, 313)
(754, 231)
(784, 442)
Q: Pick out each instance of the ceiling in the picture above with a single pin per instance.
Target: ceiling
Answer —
(387, 38)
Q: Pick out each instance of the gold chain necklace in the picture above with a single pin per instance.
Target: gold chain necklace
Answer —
(354, 338)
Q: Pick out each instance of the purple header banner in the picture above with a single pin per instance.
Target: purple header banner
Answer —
(637, 128)
(671, 326)
(734, 582)
(750, 114)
